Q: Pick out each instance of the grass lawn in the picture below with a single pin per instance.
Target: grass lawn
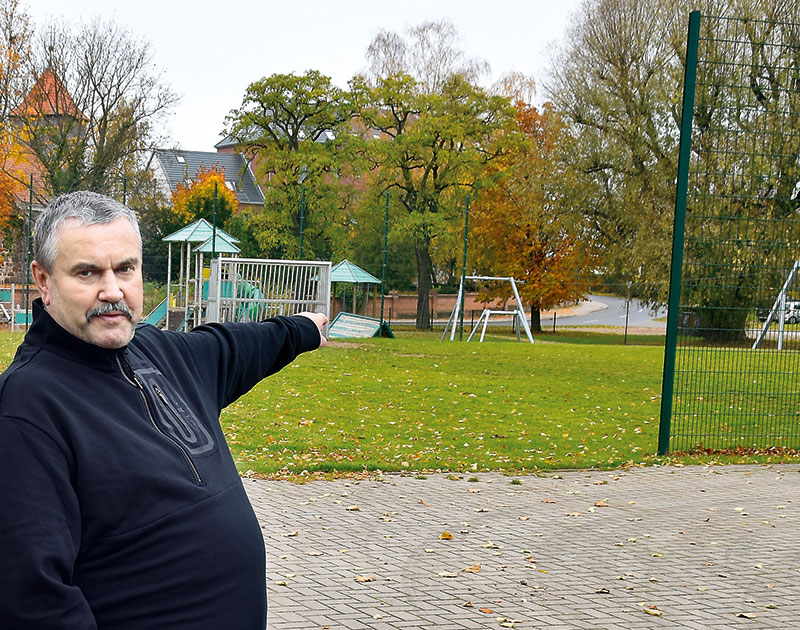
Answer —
(571, 400)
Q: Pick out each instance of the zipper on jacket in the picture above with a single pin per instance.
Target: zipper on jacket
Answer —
(173, 412)
(133, 379)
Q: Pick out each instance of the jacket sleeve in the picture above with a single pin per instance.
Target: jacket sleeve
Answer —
(39, 533)
(242, 354)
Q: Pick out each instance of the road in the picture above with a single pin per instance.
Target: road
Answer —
(613, 314)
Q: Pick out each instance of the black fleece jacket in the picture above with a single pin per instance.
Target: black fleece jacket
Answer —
(120, 504)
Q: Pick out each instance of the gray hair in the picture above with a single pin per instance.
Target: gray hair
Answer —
(88, 208)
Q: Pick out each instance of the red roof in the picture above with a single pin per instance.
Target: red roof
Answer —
(48, 97)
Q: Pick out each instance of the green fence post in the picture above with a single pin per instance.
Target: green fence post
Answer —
(385, 247)
(678, 236)
(463, 272)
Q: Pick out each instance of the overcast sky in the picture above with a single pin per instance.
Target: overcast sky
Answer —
(209, 52)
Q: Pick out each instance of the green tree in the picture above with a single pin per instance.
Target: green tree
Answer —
(618, 82)
(431, 148)
(295, 128)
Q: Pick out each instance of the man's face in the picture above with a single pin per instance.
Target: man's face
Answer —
(96, 267)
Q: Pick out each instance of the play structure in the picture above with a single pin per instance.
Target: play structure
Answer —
(346, 324)
(518, 314)
(232, 289)
(249, 289)
(778, 310)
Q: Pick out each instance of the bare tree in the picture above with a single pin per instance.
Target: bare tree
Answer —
(430, 53)
(92, 115)
(15, 42)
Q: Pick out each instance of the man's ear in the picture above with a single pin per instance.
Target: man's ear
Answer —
(42, 281)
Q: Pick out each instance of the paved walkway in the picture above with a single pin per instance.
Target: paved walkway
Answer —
(690, 547)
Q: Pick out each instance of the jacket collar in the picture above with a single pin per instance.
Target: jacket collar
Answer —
(49, 335)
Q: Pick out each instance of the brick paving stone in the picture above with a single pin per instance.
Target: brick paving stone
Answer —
(701, 543)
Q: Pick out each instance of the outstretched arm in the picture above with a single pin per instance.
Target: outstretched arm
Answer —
(320, 319)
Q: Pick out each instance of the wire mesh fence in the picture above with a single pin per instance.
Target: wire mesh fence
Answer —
(732, 332)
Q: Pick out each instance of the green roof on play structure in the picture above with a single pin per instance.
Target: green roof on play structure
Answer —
(198, 232)
(346, 271)
(223, 245)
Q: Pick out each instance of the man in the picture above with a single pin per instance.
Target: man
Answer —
(120, 504)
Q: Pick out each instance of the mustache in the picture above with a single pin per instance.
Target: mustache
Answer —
(110, 307)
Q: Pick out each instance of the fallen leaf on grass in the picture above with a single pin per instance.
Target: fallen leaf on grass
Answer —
(364, 578)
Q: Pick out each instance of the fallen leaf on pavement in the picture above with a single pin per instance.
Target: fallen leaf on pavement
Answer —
(476, 568)
(548, 501)
(746, 615)
(600, 504)
(446, 536)
(652, 610)
(487, 611)
(290, 534)
(469, 605)
(365, 578)
(353, 508)
(448, 574)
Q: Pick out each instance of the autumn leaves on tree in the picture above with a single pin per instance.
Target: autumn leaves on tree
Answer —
(527, 224)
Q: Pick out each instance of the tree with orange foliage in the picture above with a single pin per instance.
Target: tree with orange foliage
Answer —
(195, 199)
(528, 224)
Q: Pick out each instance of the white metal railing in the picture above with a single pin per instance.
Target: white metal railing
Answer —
(249, 289)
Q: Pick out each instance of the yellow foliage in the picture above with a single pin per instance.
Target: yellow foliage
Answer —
(194, 199)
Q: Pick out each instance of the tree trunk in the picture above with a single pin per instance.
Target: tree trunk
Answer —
(424, 265)
(536, 319)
